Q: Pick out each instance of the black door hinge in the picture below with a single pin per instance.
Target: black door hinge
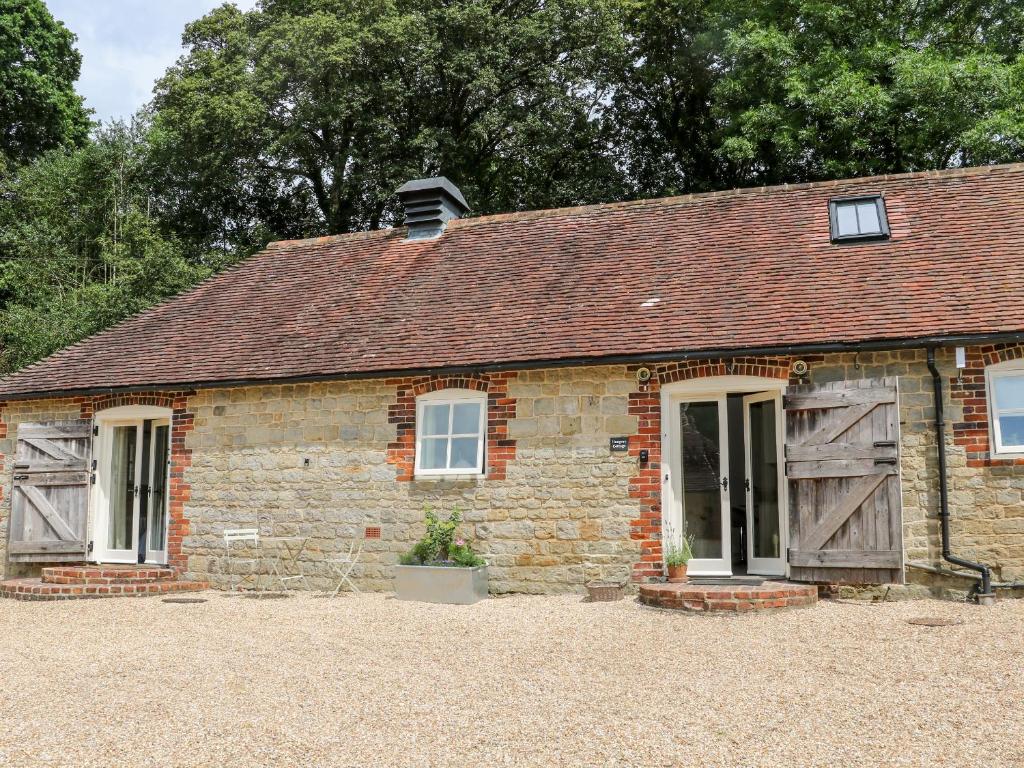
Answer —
(92, 479)
(95, 430)
(789, 551)
(89, 548)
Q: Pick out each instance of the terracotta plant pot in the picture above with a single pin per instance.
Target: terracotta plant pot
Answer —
(676, 574)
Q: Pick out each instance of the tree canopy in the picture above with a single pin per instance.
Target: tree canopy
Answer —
(301, 117)
(39, 109)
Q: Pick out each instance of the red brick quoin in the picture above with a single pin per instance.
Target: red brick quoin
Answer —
(645, 404)
(972, 434)
(500, 449)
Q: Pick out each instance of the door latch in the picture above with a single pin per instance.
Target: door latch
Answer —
(746, 485)
(725, 483)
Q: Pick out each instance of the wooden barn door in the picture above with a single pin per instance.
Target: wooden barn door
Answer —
(843, 469)
(50, 496)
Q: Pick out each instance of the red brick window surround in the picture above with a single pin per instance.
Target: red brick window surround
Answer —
(499, 449)
(645, 404)
(969, 388)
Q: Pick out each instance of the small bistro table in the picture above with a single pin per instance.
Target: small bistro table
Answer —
(283, 553)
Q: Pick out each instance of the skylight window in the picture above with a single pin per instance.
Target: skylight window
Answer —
(858, 218)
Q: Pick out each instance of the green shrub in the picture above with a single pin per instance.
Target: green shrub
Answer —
(439, 545)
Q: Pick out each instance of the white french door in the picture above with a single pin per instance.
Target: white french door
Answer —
(764, 481)
(699, 492)
(131, 516)
(702, 431)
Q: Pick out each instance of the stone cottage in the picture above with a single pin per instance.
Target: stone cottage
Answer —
(758, 368)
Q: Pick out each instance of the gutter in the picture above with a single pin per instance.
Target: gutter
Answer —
(563, 362)
(985, 596)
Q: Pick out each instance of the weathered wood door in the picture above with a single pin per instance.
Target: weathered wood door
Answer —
(50, 495)
(843, 469)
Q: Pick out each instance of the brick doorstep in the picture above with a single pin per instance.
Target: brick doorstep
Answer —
(733, 599)
(37, 589)
(106, 575)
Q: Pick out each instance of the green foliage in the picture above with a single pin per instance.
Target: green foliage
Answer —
(79, 249)
(714, 95)
(440, 546)
(302, 117)
(306, 115)
(678, 548)
(39, 109)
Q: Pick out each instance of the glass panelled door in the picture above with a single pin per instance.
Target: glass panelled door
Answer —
(704, 448)
(764, 479)
(134, 528)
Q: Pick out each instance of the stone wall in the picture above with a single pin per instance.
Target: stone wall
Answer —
(328, 460)
(314, 459)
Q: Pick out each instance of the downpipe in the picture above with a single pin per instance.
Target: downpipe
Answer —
(985, 595)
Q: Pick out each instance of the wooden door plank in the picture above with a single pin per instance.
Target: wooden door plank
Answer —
(51, 515)
(42, 547)
(845, 506)
(835, 424)
(837, 558)
(834, 451)
(41, 479)
(50, 448)
(815, 470)
(58, 430)
(839, 399)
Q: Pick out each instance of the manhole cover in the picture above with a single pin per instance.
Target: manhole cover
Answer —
(934, 621)
(184, 600)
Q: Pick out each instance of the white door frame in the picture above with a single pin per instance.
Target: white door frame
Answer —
(766, 566)
(129, 415)
(706, 389)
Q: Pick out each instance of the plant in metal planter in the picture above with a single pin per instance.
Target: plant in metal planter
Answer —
(678, 554)
(441, 567)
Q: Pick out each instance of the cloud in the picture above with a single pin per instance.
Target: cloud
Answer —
(126, 45)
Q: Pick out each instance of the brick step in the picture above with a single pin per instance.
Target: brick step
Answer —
(37, 589)
(106, 574)
(737, 597)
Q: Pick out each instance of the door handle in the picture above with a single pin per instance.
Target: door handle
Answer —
(725, 483)
(746, 485)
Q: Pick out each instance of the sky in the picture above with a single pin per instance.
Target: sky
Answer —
(126, 45)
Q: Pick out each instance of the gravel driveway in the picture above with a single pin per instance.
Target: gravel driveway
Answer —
(367, 680)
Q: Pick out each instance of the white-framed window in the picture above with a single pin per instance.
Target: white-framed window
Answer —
(451, 428)
(1005, 385)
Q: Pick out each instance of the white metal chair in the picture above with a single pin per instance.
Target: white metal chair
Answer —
(251, 538)
(344, 564)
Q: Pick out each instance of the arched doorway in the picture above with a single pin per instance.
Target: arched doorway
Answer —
(131, 495)
(723, 480)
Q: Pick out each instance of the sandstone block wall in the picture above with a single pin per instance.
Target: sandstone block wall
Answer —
(312, 459)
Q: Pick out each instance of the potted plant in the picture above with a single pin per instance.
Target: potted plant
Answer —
(678, 553)
(441, 567)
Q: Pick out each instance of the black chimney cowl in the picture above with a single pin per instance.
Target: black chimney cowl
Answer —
(429, 205)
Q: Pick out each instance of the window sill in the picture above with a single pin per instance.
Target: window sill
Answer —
(1008, 455)
(446, 476)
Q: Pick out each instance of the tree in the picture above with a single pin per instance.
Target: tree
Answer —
(39, 109)
(304, 116)
(79, 249)
(742, 92)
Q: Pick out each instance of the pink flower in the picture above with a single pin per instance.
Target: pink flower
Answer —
(460, 542)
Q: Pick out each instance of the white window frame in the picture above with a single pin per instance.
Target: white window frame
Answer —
(1005, 370)
(451, 397)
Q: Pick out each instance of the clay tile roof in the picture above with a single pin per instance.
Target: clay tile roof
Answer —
(752, 268)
